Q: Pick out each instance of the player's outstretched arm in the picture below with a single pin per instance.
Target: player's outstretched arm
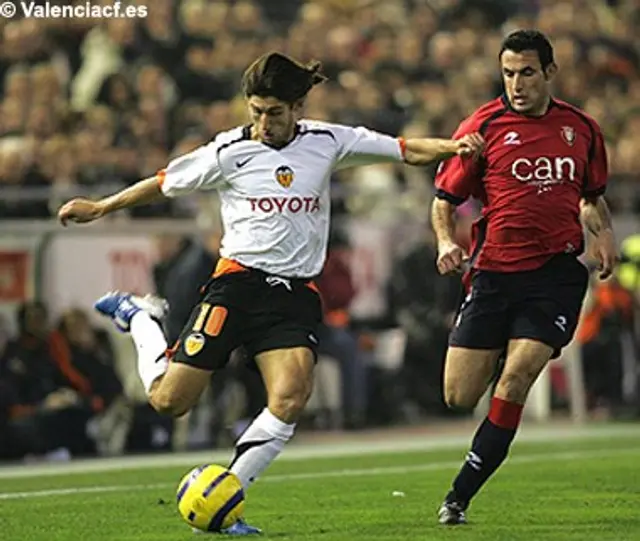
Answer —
(426, 151)
(595, 215)
(81, 210)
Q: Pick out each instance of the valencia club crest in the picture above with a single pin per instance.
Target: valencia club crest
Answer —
(284, 176)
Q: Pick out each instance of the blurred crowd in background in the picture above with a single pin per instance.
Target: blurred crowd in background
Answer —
(90, 106)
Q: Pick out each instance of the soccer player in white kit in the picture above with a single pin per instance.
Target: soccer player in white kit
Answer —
(273, 179)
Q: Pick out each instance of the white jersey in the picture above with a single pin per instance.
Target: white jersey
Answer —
(275, 203)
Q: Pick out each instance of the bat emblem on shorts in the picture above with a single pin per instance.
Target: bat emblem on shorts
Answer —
(194, 344)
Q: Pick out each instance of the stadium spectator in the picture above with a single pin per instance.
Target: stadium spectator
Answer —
(337, 339)
(425, 307)
(391, 64)
(92, 356)
(50, 401)
(184, 266)
(607, 314)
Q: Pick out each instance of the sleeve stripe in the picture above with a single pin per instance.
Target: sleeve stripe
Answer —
(453, 199)
(160, 176)
(403, 146)
(594, 193)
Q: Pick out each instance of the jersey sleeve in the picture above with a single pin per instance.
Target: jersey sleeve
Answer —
(597, 168)
(457, 179)
(197, 170)
(362, 146)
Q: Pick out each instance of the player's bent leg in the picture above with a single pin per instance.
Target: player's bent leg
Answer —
(179, 389)
(467, 373)
(172, 388)
(288, 378)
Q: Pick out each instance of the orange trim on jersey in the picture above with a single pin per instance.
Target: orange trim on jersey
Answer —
(337, 318)
(313, 287)
(160, 176)
(228, 266)
(403, 146)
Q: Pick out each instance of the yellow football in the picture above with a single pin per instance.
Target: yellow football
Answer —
(210, 498)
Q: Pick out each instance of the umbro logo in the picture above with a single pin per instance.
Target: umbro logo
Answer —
(474, 460)
(241, 163)
(561, 323)
(512, 138)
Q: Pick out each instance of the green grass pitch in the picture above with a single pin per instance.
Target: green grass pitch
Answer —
(579, 489)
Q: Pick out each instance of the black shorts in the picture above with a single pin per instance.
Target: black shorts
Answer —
(543, 304)
(253, 309)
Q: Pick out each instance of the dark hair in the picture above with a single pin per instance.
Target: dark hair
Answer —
(278, 76)
(529, 40)
(24, 309)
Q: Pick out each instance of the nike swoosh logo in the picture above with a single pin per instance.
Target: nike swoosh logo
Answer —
(241, 164)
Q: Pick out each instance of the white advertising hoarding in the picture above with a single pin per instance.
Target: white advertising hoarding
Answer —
(78, 269)
(18, 255)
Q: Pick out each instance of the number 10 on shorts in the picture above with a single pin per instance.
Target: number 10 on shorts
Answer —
(210, 320)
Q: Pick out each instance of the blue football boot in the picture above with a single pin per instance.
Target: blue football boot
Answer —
(238, 528)
(121, 307)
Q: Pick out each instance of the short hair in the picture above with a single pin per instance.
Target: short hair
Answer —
(529, 40)
(24, 309)
(278, 76)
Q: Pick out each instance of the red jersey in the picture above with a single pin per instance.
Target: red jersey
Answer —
(531, 178)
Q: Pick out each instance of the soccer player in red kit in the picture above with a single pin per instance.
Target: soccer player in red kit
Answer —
(543, 171)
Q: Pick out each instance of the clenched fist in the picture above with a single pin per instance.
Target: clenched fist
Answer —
(450, 258)
(471, 145)
(79, 210)
(606, 252)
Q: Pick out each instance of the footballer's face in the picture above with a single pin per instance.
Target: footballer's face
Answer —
(274, 121)
(526, 83)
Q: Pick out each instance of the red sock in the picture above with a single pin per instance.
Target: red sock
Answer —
(505, 414)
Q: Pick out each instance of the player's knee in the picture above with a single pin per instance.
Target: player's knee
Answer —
(460, 400)
(288, 404)
(513, 387)
(167, 404)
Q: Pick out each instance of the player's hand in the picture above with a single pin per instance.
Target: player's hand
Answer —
(79, 210)
(606, 252)
(470, 146)
(450, 258)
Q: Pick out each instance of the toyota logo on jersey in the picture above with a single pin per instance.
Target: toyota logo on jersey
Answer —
(284, 176)
(282, 204)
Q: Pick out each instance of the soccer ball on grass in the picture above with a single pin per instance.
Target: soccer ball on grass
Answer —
(210, 498)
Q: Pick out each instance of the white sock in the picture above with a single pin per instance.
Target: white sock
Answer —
(151, 346)
(259, 445)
